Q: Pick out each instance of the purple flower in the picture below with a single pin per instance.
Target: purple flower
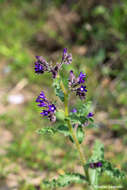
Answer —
(90, 114)
(67, 57)
(99, 164)
(42, 104)
(45, 113)
(41, 98)
(49, 108)
(52, 108)
(95, 165)
(81, 78)
(42, 95)
(38, 68)
(74, 110)
(82, 89)
(81, 92)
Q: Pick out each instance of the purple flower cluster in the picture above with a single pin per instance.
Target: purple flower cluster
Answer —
(75, 82)
(67, 57)
(49, 108)
(95, 165)
(41, 65)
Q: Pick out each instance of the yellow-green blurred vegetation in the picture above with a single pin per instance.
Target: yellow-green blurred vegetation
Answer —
(95, 31)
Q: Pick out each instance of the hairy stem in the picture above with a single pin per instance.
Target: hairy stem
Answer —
(82, 160)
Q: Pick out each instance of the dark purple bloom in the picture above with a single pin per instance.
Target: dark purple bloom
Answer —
(38, 68)
(42, 95)
(42, 104)
(99, 164)
(95, 165)
(81, 78)
(81, 92)
(82, 89)
(41, 98)
(67, 57)
(52, 108)
(38, 99)
(45, 113)
(74, 110)
(90, 114)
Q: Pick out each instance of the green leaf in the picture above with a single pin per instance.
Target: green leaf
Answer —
(46, 130)
(80, 116)
(91, 119)
(63, 129)
(98, 152)
(98, 155)
(75, 119)
(95, 173)
(80, 134)
(65, 180)
(60, 115)
(93, 177)
(111, 171)
(85, 109)
(58, 90)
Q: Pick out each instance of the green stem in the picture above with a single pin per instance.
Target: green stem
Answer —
(82, 160)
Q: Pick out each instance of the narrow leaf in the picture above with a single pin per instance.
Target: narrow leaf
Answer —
(80, 134)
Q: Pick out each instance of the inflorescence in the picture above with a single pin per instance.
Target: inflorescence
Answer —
(48, 108)
(74, 84)
(41, 65)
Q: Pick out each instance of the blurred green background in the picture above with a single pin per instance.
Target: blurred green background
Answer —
(95, 31)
